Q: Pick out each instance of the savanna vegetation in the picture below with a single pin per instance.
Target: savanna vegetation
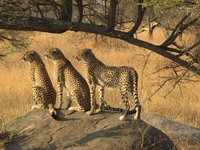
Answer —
(121, 33)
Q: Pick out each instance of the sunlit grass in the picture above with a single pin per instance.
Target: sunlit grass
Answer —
(15, 92)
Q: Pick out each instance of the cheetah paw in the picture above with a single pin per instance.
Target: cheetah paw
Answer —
(135, 117)
(122, 118)
(98, 110)
(89, 113)
(71, 109)
(138, 111)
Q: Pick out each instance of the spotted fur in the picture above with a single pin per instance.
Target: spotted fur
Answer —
(67, 76)
(44, 94)
(99, 74)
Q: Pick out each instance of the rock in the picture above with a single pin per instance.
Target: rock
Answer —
(186, 137)
(37, 130)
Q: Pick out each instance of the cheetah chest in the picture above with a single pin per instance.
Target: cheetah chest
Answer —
(70, 81)
(39, 78)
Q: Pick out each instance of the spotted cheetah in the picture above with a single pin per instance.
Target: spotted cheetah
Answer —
(110, 76)
(67, 76)
(44, 94)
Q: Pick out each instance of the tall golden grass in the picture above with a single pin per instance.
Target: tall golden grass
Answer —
(16, 92)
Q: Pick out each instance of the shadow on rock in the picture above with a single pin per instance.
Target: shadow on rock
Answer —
(138, 135)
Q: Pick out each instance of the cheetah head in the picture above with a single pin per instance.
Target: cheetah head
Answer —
(54, 54)
(31, 56)
(84, 54)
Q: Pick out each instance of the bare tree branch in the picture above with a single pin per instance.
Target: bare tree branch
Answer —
(144, 66)
(160, 87)
(141, 10)
(40, 11)
(189, 49)
(66, 10)
(178, 30)
(178, 79)
(111, 15)
(80, 9)
(60, 26)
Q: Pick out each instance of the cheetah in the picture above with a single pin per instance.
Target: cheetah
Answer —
(44, 94)
(99, 74)
(68, 77)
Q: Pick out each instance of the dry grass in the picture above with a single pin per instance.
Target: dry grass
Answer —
(15, 92)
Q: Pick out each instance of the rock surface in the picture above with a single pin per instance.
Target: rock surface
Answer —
(185, 137)
(37, 130)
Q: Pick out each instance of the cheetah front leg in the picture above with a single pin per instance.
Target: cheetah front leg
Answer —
(76, 97)
(60, 84)
(92, 88)
(101, 97)
(60, 94)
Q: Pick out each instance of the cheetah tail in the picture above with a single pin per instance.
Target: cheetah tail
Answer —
(108, 107)
(135, 87)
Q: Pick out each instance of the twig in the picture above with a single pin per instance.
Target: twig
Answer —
(157, 90)
(143, 68)
(141, 11)
(161, 69)
(189, 49)
(177, 82)
(180, 27)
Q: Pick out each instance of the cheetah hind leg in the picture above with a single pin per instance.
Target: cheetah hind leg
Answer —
(124, 117)
(124, 97)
